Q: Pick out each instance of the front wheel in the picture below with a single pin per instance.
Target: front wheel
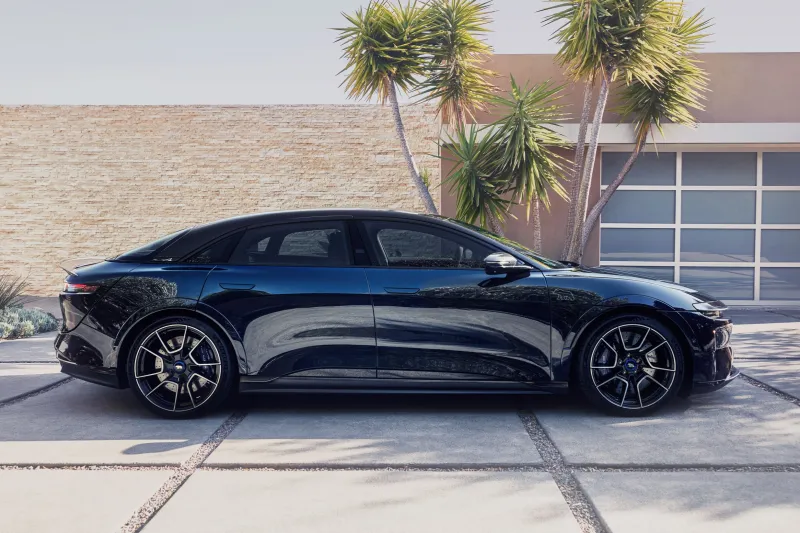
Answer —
(631, 366)
(180, 367)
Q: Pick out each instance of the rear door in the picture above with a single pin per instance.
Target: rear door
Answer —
(299, 304)
(439, 316)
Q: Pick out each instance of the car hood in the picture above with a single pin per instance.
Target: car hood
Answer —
(621, 275)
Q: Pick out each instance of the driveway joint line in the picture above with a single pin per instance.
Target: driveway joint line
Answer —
(577, 500)
(146, 512)
(36, 392)
(28, 362)
(769, 388)
(332, 467)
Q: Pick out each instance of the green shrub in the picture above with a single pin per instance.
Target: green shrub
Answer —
(20, 322)
(11, 289)
(23, 329)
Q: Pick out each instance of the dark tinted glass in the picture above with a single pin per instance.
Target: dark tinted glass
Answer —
(146, 250)
(219, 252)
(418, 246)
(302, 244)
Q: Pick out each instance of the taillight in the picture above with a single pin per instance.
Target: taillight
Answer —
(80, 288)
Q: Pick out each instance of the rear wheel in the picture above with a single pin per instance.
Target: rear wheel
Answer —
(180, 367)
(631, 366)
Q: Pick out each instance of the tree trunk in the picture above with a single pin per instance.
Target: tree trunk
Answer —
(594, 214)
(494, 224)
(537, 226)
(588, 167)
(422, 190)
(577, 170)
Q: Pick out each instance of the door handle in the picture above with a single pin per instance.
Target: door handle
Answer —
(401, 290)
(237, 286)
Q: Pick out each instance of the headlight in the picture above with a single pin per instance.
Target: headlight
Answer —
(712, 309)
(722, 337)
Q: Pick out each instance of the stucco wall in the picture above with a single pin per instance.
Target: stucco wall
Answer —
(78, 181)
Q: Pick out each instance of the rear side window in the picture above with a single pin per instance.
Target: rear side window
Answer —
(218, 252)
(144, 252)
(301, 244)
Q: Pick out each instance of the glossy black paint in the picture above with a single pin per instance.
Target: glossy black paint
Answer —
(377, 326)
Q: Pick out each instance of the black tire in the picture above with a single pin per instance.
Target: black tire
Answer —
(651, 363)
(184, 357)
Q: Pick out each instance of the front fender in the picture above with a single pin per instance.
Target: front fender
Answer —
(609, 307)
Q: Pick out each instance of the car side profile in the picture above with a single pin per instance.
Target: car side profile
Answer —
(365, 300)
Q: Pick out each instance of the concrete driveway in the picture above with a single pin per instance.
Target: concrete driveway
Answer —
(79, 457)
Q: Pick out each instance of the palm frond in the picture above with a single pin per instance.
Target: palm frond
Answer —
(474, 179)
(455, 76)
(525, 138)
(679, 88)
(384, 43)
(610, 37)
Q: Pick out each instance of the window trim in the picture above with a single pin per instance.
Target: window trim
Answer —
(759, 188)
(344, 227)
(375, 257)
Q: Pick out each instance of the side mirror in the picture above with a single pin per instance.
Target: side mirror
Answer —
(503, 263)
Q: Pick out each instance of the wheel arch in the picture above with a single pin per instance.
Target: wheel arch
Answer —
(124, 347)
(670, 320)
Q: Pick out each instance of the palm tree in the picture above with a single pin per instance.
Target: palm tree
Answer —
(513, 162)
(476, 180)
(388, 47)
(679, 89)
(601, 40)
(525, 140)
(455, 77)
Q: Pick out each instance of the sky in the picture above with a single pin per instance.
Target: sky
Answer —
(258, 51)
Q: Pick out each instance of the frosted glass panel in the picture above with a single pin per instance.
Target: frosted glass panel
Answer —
(781, 168)
(722, 283)
(719, 168)
(718, 245)
(637, 244)
(645, 207)
(649, 169)
(718, 207)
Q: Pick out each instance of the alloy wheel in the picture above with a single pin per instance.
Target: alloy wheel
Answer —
(633, 366)
(177, 368)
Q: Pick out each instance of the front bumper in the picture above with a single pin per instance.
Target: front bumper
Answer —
(703, 387)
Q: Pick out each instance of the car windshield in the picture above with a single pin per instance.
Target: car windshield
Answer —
(514, 245)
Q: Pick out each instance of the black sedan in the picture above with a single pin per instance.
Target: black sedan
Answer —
(379, 301)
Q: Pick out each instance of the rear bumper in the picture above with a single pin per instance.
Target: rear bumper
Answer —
(100, 376)
(82, 359)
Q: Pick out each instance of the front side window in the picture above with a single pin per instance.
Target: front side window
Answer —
(301, 244)
(417, 246)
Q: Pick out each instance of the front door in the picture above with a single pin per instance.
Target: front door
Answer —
(300, 306)
(438, 315)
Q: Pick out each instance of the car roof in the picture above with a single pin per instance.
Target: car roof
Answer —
(201, 235)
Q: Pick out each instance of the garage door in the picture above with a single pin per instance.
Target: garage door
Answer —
(727, 223)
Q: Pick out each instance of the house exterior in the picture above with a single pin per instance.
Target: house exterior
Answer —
(715, 207)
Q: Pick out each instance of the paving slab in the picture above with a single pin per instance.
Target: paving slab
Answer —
(82, 423)
(19, 379)
(395, 434)
(776, 340)
(739, 424)
(782, 375)
(68, 501)
(760, 316)
(375, 501)
(695, 502)
(38, 348)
